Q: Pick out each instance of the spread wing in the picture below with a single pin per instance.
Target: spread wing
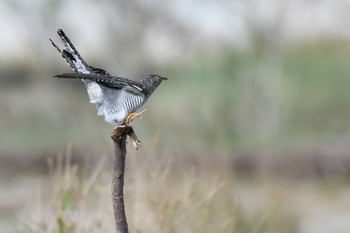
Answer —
(109, 81)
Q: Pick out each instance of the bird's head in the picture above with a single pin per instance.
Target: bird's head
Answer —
(152, 81)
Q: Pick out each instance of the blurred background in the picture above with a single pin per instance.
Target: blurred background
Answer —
(251, 132)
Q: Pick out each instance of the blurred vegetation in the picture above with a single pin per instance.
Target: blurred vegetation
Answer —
(80, 202)
(221, 102)
(251, 138)
(205, 119)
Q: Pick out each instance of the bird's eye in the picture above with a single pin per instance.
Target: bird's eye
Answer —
(158, 79)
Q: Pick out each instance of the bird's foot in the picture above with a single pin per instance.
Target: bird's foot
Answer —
(132, 116)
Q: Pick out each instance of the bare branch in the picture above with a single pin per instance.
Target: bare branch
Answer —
(119, 137)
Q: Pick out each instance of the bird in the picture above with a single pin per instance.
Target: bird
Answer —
(116, 98)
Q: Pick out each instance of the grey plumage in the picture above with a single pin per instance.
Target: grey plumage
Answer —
(115, 97)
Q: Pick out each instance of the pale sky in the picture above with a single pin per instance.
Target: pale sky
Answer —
(220, 21)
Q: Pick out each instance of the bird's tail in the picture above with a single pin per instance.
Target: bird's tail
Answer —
(71, 55)
(77, 76)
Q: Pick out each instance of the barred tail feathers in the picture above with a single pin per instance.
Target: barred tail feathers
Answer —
(71, 55)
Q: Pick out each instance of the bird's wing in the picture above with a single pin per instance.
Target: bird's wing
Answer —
(99, 71)
(113, 82)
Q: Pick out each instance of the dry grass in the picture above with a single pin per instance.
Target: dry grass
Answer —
(158, 199)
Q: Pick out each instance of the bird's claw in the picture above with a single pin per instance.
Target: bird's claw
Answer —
(132, 116)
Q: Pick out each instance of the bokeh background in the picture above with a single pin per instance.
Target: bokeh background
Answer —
(251, 133)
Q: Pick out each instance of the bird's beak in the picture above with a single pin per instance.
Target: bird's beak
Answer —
(164, 78)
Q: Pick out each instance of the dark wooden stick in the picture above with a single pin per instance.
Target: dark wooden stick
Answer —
(119, 137)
